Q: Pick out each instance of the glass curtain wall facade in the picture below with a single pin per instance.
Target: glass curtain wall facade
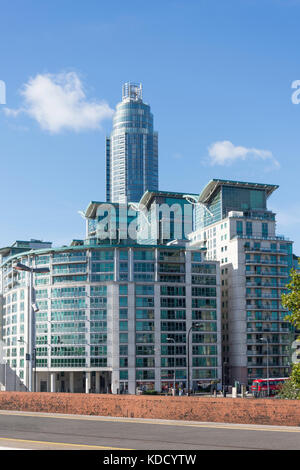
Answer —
(131, 149)
(113, 318)
(221, 197)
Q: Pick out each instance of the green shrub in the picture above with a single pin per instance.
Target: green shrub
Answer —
(291, 388)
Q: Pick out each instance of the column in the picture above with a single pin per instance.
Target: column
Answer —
(131, 339)
(189, 318)
(87, 382)
(130, 265)
(157, 337)
(52, 382)
(97, 379)
(116, 264)
(71, 377)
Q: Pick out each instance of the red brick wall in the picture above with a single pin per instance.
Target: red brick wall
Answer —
(222, 410)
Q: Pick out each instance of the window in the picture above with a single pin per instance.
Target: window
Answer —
(249, 228)
(143, 255)
(123, 325)
(239, 227)
(123, 337)
(264, 229)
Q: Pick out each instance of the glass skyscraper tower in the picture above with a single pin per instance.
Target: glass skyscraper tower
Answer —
(131, 149)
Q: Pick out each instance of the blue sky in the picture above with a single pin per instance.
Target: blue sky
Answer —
(218, 77)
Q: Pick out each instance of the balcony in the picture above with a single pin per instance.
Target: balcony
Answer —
(265, 250)
(265, 307)
(265, 353)
(263, 296)
(69, 270)
(281, 340)
(163, 269)
(266, 273)
(265, 284)
(264, 364)
(266, 262)
(266, 317)
(260, 237)
(69, 259)
(171, 259)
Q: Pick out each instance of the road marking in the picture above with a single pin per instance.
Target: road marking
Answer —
(240, 427)
(12, 448)
(62, 444)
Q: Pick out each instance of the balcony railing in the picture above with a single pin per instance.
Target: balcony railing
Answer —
(265, 307)
(263, 296)
(271, 341)
(266, 273)
(268, 262)
(265, 250)
(260, 237)
(69, 259)
(265, 284)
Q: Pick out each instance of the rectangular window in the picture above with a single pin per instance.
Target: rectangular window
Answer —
(264, 230)
(249, 228)
(123, 337)
(123, 289)
(239, 227)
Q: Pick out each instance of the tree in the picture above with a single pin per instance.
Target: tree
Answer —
(291, 300)
(291, 388)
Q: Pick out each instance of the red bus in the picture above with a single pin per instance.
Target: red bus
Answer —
(260, 387)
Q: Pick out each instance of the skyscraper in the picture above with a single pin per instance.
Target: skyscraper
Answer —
(131, 149)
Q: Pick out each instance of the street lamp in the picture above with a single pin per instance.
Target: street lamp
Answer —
(268, 384)
(32, 309)
(194, 325)
(174, 375)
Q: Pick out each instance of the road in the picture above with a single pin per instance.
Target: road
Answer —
(42, 431)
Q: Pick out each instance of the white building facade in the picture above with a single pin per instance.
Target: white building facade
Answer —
(111, 318)
(233, 223)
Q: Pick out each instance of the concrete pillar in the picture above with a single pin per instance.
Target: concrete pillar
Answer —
(130, 265)
(131, 339)
(131, 381)
(87, 382)
(116, 264)
(52, 382)
(71, 375)
(115, 383)
(157, 336)
(97, 380)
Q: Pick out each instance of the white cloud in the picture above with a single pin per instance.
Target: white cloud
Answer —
(58, 102)
(226, 153)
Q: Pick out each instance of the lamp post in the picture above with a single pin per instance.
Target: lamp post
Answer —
(174, 375)
(194, 325)
(32, 309)
(268, 384)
